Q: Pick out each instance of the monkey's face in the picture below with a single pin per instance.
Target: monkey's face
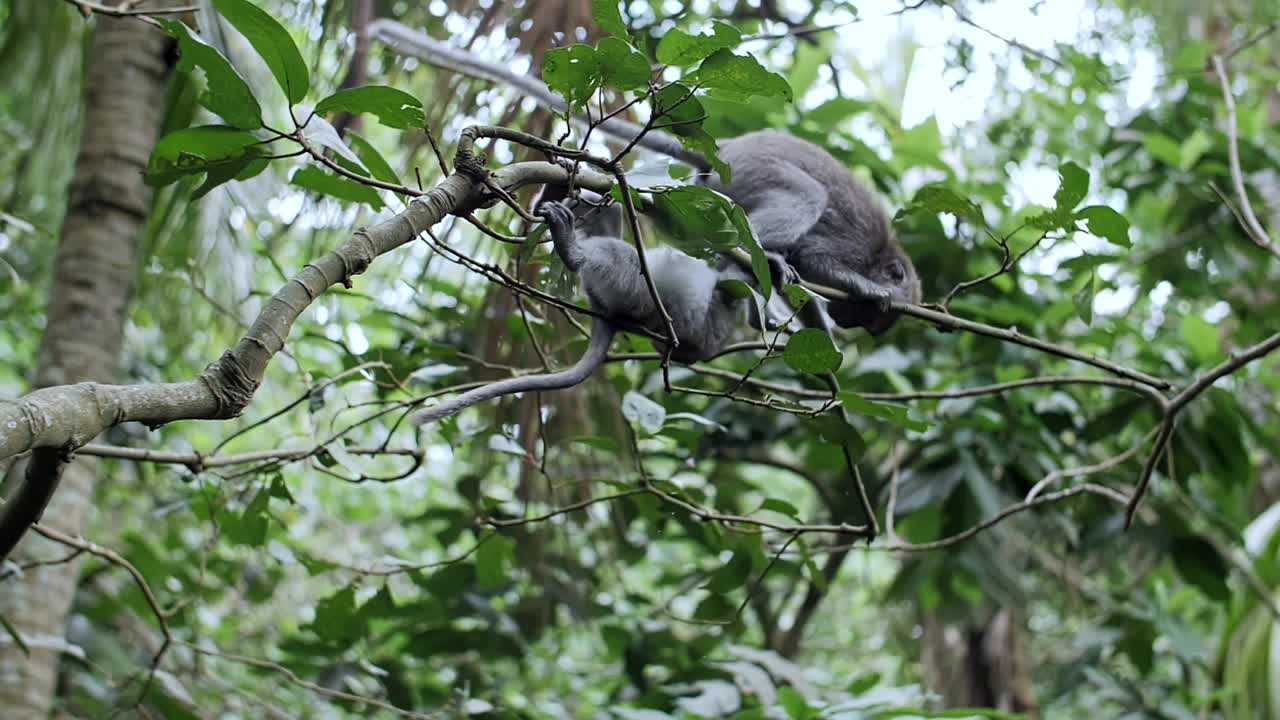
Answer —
(895, 272)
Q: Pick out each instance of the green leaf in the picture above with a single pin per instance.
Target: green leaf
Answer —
(1083, 298)
(1199, 563)
(836, 111)
(227, 95)
(681, 49)
(797, 296)
(1163, 148)
(937, 198)
(781, 506)
(794, 704)
(895, 414)
(621, 66)
(280, 491)
(701, 222)
(335, 619)
(317, 180)
(1193, 148)
(1106, 223)
(738, 77)
(272, 42)
(1193, 57)
(372, 159)
(607, 444)
(608, 18)
(759, 262)
(1138, 643)
(250, 527)
(571, 72)
(393, 108)
(736, 289)
(682, 115)
(732, 575)
(1201, 337)
(493, 557)
(235, 169)
(832, 428)
(1073, 184)
(192, 151)
(812, 351)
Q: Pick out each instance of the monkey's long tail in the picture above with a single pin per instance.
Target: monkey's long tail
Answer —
(411, 42)
(597, 348)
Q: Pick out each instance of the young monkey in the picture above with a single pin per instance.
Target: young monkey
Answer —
(703, 315)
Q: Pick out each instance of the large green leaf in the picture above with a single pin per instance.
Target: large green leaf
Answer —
(606, 15)
(571, 72)
(739, 77)
(678, 47)
(811, 351)
(313, 178)
(227, 95)
(393, 108)
(272, 42)
(192, 151)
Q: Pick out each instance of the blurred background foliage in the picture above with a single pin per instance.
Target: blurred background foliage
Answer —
(352, 587)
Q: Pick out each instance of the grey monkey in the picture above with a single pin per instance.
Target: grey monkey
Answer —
(803, 204)
(703, 315)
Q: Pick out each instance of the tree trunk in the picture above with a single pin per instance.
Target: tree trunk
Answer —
(980, 667)
(107, 205)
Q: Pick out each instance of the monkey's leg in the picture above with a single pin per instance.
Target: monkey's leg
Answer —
(782, 202)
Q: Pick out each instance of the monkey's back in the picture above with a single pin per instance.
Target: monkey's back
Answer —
(852, 210)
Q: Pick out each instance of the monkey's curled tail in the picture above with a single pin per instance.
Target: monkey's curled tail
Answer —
(597, 348)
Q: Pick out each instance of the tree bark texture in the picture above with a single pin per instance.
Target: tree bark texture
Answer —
(107, 205)
(985, 667)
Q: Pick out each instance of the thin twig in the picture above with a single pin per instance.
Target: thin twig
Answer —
(1252, 227)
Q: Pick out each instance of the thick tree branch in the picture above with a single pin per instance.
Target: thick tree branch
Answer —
(69, 416)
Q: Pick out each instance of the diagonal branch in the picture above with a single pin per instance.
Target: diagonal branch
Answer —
(62, 418)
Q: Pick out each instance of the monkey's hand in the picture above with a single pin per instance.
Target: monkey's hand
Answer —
(558, 216)
(780, 270)
(873, 292)
(560, 221)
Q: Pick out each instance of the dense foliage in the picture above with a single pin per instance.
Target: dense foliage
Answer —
(672, 541)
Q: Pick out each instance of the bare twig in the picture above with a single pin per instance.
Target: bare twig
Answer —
(1180, 401)
(1252, 227)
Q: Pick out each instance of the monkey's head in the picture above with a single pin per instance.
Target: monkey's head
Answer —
(894, 270)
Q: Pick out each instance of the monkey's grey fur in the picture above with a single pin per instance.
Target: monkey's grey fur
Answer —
(702, 315)
(803, 204)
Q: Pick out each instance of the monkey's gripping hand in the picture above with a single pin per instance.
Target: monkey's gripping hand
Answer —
(560, 222)
(781, 271)
(870, 292)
